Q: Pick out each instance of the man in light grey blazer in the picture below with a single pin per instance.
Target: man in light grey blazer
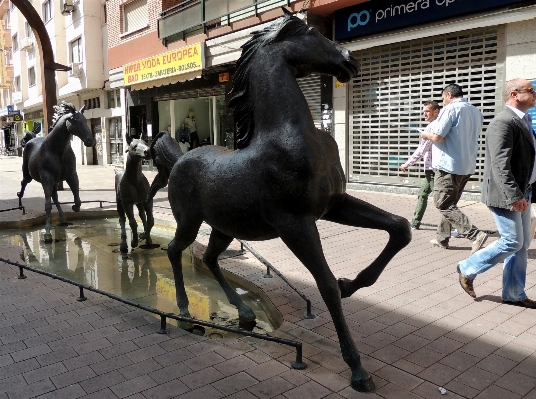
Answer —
(509, 172)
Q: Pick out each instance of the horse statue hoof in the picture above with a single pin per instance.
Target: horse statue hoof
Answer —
(365, 384)
(48, 238)
(142, 235)
(19, 195)
(76, 208)
(134, 244)
(123, 248)
(345, 286)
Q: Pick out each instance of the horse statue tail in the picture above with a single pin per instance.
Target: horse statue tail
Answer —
(165, 152)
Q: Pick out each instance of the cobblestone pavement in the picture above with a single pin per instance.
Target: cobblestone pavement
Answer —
(415, 328)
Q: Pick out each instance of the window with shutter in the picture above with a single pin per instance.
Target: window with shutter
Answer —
(134, 15)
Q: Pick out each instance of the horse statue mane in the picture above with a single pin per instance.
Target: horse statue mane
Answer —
(166, 147)
(240, 101)
(60, 110)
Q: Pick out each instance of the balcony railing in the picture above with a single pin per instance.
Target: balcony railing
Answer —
(200, 15)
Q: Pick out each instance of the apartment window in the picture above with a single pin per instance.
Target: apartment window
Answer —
(16, 83)
(76, 50)
(31, 76)
(92, 103)
(28, 29)
(114, 99)
(15, 42)
(11, 5)
(134, 15)
(47, 10)
(9, 59)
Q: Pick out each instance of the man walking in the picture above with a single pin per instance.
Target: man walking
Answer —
(424, 150)
(455, 136)
(509, 173)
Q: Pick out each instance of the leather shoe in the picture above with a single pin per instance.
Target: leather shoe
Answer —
(466, 283)
(525, 303)
(478, 242)
(436, 243)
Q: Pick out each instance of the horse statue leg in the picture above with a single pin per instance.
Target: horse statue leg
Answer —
(58, 207)
(129, 210)
(48, 187)
(185, 234)
(123, 247)
(146, 209)
(218, 243)
(355, 212)
(141, 212)
(26, 178)
(302, 238)
(74, 185)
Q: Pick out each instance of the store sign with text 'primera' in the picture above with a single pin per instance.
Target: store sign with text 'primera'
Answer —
(177, 62)
(379, 16)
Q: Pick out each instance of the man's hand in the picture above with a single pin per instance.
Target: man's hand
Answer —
(403, 168)
(519, 206)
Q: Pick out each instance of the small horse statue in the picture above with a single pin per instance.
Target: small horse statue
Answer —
(164, 151)
(284, 176)
(131, 188)
(50, 160)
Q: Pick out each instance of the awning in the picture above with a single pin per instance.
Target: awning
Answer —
(166, 81)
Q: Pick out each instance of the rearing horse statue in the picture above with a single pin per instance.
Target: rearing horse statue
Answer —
(50, 160)
(284, 176)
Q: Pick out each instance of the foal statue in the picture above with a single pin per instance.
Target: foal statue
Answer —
(284, 176)
(131, 188)
(50, 159)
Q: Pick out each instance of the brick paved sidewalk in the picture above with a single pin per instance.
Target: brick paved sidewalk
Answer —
(416, 329)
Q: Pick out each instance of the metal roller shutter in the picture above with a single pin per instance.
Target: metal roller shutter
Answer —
(195, 93)
(135, 15)
(310, 87)
(386, 98)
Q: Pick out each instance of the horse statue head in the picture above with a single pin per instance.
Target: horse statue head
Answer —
(287, 49)
(137, 149)
(66, 116)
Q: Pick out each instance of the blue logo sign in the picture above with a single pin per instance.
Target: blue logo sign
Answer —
(383, 15)
(10, 109)
(356, 19)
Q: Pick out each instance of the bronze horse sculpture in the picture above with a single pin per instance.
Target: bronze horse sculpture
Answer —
(50, 160)
(131, 188)
(284, 176)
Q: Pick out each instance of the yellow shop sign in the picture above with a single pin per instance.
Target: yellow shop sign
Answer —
(183, 60)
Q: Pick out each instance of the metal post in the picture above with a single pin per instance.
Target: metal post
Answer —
(21, 273)
(162, 325)
(23, 210)
(100, 204)
(81, 298)
(268, 275)
(308, 315)
(298, 364)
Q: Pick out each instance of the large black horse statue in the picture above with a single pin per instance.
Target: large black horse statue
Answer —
(50, 160)
(284, 176)
(131, 188)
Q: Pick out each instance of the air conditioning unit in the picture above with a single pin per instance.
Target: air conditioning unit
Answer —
(76, 69)
(26, 43)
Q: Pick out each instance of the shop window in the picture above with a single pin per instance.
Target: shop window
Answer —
(76, 50)
(15, 41)
(47, 10)
(31, 76)
(134, 15)
(115, 142)
(92, 103)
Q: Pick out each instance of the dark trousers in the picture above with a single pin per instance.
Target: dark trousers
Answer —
(422, 201)
(194, 140)
(448, 189)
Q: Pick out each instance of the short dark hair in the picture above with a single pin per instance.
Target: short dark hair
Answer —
(433, 104)
(454, 89)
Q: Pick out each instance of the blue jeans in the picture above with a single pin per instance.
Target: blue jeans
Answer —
(511, 248)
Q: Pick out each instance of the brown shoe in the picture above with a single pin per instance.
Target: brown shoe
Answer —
(525, 303)
(436, 243)
(466, 283)
(480, 239)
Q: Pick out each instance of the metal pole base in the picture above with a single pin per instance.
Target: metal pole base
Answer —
(81, 298)
(309, 316)
(21, 274)
(298, 365)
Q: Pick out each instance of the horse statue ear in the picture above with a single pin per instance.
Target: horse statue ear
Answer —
(129, 139)
(287, 12)
(82, 109)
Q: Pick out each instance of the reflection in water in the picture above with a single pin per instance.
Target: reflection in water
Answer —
(84, 253)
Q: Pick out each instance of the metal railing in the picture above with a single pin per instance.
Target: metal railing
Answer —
(200, 14)
(297, 364)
